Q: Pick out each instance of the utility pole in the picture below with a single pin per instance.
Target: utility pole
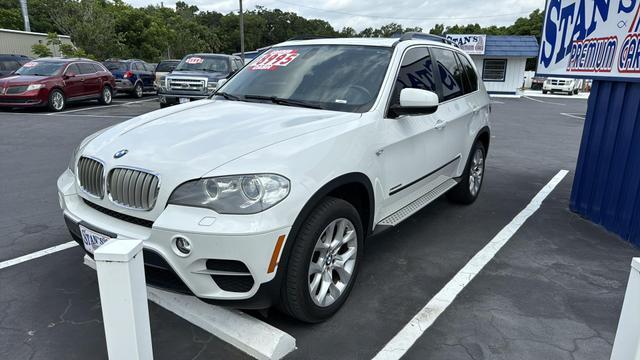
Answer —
(25, 15)
(241, 32)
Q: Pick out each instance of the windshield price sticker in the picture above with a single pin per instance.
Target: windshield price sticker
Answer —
(194, 60)
(30, 64)
(275, 58)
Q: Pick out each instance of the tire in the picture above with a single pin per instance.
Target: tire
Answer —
(164, 105)
(306, 256)
(576, 91)
(57, 101)
(544, 92)
(464, 192)
(106, 96)
(138, 91)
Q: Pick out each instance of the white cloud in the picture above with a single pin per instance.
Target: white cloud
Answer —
(360, 14)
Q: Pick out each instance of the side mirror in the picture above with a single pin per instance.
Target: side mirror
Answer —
(221, 82)
(415, 102)
(69, 74)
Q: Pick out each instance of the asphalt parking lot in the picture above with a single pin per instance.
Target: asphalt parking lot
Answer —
(553, 292)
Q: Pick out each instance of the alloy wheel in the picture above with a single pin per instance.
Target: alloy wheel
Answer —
(476, 172)
(58, 101)
(333, 262)
(106, 95)
(139, 91)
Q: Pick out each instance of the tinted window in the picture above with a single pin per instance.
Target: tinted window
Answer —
(8, 65)
(86, 68)
(166, 66)
(416, 72)
(41, 68)
(450, 74)
(335, 77)
(115, 65)
(471, 78)
(72, 69)
(494, 69)
(204, 63)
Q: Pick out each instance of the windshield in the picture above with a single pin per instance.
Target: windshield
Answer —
(115, 65)
(41, 68)
(333, 77)
(204, 63)
(167, 66)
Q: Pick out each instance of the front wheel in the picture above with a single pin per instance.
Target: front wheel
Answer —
(323, 262)
(468, 189)
(57, 102)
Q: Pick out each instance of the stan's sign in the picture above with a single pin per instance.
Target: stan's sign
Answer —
(471, 44)
(591, 38)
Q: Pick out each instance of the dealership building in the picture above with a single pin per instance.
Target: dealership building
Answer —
(501, 60)
(20, 42)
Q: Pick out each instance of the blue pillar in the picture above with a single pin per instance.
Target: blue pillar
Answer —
(606, 188)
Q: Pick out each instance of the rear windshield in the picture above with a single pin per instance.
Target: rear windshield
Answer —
(115, 65)
(204, 63)
(167, 66)
(41, 68)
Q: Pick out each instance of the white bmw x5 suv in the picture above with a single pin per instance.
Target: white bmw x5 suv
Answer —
(264, 193)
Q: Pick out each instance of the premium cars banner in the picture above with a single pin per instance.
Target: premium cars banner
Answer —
(591, 38)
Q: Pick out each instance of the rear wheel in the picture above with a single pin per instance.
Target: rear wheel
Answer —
(106, 97)
(138, 91)
(544, 92)
(324, 261)
(57, 102)
(468, 189)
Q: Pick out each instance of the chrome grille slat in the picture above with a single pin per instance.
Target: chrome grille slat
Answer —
(133, 188)
(91, 177)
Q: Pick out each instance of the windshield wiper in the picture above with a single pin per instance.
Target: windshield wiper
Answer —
(282, 101)
(228, 96)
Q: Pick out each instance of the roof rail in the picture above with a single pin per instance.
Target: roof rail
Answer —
(423, 36)
(310, 37)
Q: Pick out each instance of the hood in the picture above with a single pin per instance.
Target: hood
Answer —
(187, 141)
(17, 80)
(207, 74)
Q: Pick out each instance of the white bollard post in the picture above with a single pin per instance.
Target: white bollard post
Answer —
(627, 343)
(123, 295)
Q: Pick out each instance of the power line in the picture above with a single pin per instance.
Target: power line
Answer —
(400, 18)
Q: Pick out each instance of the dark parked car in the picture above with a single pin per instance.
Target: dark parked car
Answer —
(53, 82)
(537, 82)
(132, 76)
(196, 77)
(163, 69)
(10, 63)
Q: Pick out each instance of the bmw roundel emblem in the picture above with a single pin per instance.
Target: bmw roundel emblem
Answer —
(120, 153)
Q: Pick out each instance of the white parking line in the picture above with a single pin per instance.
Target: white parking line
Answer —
(542, 101)
(411, 332)
(573, 116)
(101, 107)
(37, 254)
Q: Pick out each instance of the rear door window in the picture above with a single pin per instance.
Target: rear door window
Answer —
(471, 78)
(86, 68)
(451, 75)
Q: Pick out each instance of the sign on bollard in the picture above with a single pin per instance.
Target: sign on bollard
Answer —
(123, 295)
(627, 343)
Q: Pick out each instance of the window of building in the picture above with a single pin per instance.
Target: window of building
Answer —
(494, 69)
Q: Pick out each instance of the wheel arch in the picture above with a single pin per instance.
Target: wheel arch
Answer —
(484, 136)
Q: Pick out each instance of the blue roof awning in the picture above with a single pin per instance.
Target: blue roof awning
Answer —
(526, 46)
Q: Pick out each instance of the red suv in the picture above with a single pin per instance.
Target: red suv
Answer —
(53, 82)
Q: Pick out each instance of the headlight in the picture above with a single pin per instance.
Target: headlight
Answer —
(238, 194)
(212, 86)
(35, 87)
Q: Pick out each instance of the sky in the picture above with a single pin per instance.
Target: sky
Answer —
(360, 14)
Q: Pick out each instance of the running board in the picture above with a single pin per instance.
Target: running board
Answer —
(400, 215)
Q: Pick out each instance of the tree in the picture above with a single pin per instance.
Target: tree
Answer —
(41, 50)
(438, 29)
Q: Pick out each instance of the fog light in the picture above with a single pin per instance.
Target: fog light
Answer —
(183, 245)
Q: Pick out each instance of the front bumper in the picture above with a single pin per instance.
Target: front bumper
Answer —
(221, 266)
(23, 100)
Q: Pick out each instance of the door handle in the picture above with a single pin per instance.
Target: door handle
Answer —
(82, 79)
(440, 124)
